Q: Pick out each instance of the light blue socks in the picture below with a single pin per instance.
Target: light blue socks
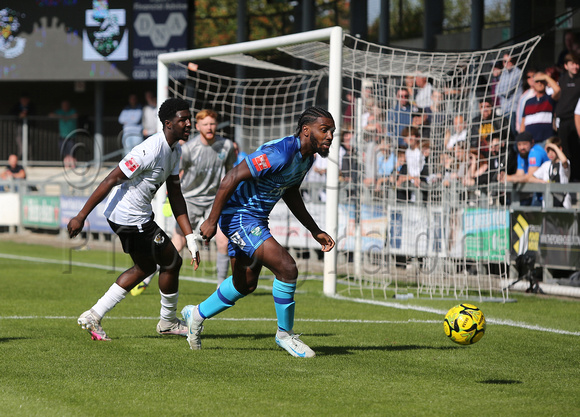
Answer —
(283, 294)
(223, 298)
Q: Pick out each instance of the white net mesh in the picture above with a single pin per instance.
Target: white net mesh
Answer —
(422, 205)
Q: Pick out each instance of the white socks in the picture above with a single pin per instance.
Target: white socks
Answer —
(112, 297)
(169, 306)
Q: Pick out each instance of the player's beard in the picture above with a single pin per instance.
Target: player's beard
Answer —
(320, 150)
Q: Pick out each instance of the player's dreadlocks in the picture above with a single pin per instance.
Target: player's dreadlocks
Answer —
(170, 107)
(310, 115)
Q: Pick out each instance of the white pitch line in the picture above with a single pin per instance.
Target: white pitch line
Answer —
(337, 297)
(443, 312)
(232, 319)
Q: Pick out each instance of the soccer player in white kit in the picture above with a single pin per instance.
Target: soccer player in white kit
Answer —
(132, 186)
(205, 159)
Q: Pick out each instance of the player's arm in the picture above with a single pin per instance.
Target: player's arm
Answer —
(179, 209)
(293, 200)
(115, 177)
(228, 185)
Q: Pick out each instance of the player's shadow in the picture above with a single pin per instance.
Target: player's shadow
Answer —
(349, 350)
(500, 381)
(10, 339)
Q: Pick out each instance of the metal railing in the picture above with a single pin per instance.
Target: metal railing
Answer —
(36, 140)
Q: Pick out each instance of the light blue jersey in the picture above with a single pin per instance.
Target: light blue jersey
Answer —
(275, 166)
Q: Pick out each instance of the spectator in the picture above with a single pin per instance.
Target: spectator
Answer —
(372, 119)
(371, 146)
(317, 175)
(424, 92)
(348, 162)
(495, 163)
(565, 112)
(67, 125)
(348, 118)
(13, 171)
(477, 168)
(528, 93)
(538, 110)
(509, 88)
(427, 176)
(569, 39)
(385, 164)
(460, 164)
(150, 119)
(530, 158)
(239, 154)
(449, 168)
(556, 170)
(494, 81)
(409, 84)
(399, 117)
(421, 120)
(459, 133)
(486, 125)
(23, 109)
(131, 118)
(413, 157)
(438, 119)
(399, 176)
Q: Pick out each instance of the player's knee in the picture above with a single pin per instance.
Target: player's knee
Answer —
(288, 272)
(175, 264)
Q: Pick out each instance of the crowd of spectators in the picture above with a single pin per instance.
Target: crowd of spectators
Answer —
(419, 133)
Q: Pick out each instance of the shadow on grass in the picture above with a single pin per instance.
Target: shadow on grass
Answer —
(500, 381)
(231, 336)
(10, 339)
(348, 350)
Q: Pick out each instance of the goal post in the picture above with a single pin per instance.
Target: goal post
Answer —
(334, 36)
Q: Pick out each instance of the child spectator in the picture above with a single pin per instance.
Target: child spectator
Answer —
(414, 157)
(556, 170)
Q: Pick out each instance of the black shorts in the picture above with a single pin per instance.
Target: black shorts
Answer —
(147, 238)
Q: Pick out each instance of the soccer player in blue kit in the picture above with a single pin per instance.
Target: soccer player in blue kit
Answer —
(243, 203)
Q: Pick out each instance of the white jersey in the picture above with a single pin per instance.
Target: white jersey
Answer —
(147, 166)
(203, 168)
(556, 173)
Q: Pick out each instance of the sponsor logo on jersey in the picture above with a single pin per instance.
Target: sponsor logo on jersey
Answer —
(533, 160)
(261, 162)
(131, 164)
(256, 231)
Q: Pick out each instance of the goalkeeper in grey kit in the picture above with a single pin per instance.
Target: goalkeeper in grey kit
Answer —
(132, 186)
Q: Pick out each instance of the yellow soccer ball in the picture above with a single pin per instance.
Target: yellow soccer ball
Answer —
(464, 324)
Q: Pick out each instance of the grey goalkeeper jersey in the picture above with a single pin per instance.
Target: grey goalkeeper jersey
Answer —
(203, 168)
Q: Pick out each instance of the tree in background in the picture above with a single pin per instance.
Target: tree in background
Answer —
(216, 20)
(407, 17)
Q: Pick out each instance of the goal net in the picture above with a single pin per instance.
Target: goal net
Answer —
(414, 195)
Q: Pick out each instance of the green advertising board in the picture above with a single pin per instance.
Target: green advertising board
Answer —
(486, 234)
(41, 211)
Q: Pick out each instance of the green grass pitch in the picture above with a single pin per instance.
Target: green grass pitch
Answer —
(372, 360)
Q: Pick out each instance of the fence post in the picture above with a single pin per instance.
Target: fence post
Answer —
(25, 142)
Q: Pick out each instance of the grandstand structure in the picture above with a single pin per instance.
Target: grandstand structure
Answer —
(443, 232)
